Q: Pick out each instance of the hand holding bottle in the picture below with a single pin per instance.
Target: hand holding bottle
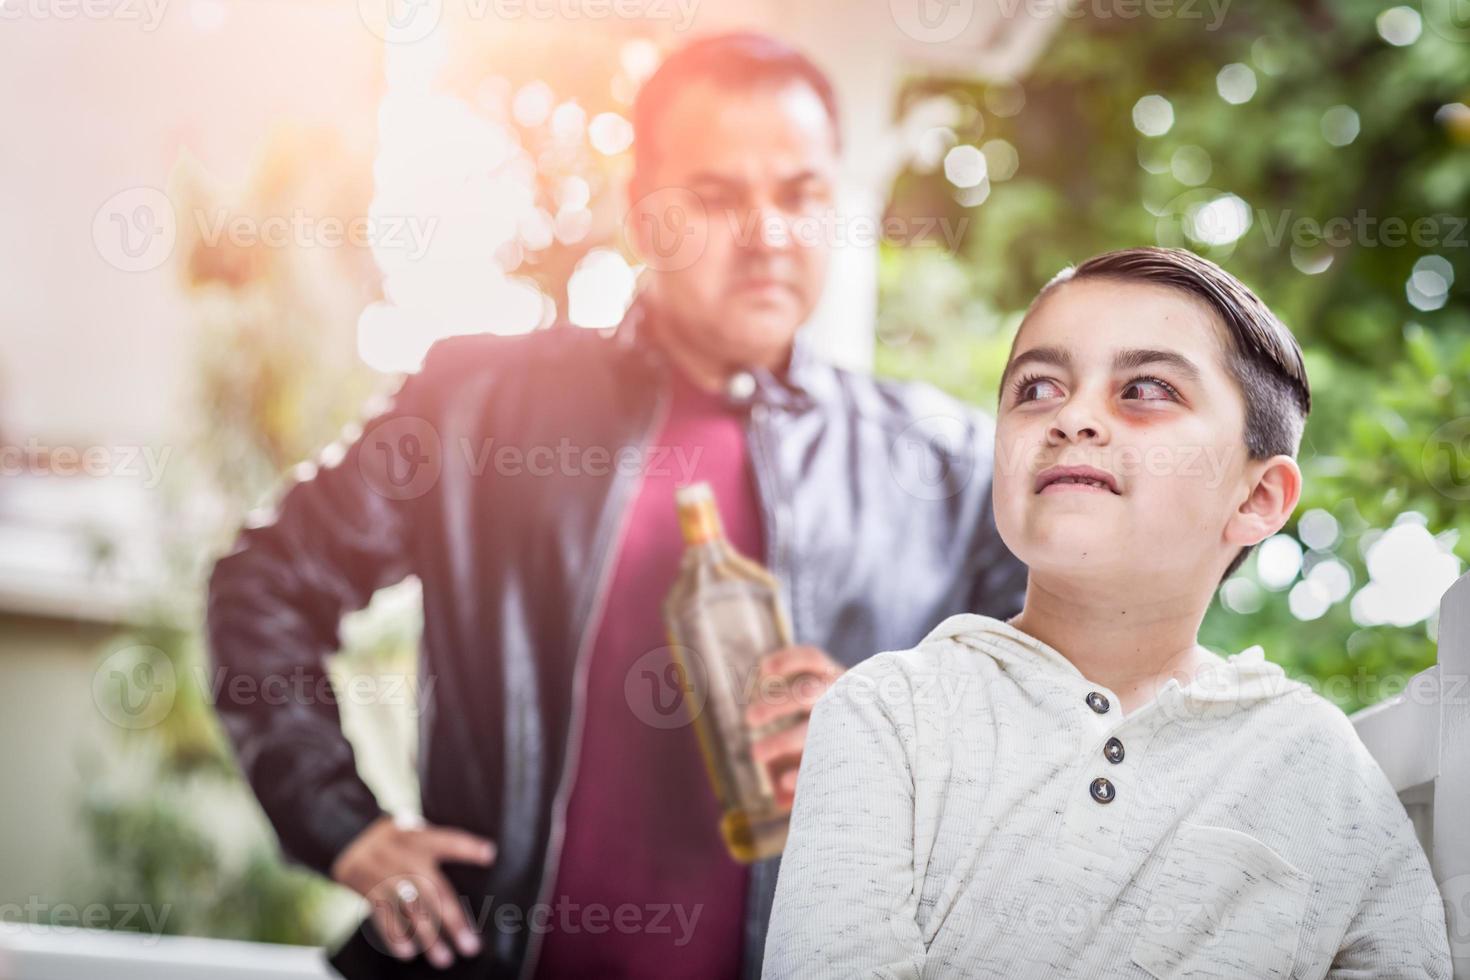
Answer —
(790, 681)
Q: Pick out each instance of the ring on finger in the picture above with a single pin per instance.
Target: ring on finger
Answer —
(406, 891)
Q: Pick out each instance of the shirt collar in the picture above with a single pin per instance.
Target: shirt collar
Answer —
(1243, 678)
(789, 389)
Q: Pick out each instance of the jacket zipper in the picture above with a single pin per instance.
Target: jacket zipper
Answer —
(765, 478)
(551, 866)
(766, 492)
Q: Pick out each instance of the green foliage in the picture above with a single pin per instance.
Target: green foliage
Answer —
(163, 874)
(1391, 383)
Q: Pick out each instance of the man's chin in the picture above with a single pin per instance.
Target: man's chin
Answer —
(757, 328)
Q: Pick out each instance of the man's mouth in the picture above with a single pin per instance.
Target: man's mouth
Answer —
(1086, 479)
(759, 284)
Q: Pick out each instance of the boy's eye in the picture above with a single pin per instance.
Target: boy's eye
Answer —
(1151, 389)
(1162, 390)
(1022, 388)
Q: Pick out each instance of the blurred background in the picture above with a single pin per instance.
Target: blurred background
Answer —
(228, 224)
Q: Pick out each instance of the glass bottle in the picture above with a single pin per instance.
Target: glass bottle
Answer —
(723, 615)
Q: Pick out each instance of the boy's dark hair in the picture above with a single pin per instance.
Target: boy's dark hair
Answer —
(740, 61)
(1262, 354)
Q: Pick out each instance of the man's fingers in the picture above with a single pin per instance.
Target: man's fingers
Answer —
(451, 917)
(426, 933)
(799, 659)
(393, 928)
(790, 680)
(798, 696)
(449, 844)
(784, 743)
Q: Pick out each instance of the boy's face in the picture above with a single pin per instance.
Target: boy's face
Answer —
(1145, 398)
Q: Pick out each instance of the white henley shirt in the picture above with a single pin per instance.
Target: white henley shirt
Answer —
(975, 807)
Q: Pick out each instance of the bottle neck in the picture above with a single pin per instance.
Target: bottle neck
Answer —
(700, 525)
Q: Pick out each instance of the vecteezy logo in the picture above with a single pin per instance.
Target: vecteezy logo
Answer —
(134, 230)
(134, 688)
(931, 458)
(1446, 912)
(400, 21)
(1446, 459)
(396, 902)
(669, 227)
(932, 21)
(400, 458)
(664, 687)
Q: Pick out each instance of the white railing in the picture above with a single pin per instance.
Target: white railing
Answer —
(1421, 738)
(35, 952)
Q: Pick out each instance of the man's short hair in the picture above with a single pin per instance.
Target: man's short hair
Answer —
(1262, 354)
(740, 62)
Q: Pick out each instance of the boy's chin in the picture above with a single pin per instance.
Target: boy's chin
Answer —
(1075, 555)
(1076, 567)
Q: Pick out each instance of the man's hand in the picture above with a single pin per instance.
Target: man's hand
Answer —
(790, 681)
(395, 866)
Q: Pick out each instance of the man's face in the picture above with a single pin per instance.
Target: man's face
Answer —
(1147, 400)
(735, 221)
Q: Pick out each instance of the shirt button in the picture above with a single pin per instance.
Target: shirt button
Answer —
(1098, 702)
(1103, 791)
(1113, 751)
(740, 387)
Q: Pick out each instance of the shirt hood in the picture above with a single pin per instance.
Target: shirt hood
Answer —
(1243, 678)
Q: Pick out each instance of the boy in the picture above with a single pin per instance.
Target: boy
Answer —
(1082, 790)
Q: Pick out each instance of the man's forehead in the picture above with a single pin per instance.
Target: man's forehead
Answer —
(731, 131)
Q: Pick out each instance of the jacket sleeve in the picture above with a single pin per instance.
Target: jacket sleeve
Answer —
(1399, 929)
(845, 903)
(337, 534)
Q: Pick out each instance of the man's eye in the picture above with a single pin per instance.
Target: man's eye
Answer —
(1161, 390)
(804, 197)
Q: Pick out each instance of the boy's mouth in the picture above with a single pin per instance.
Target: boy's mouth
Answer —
(1062, 479)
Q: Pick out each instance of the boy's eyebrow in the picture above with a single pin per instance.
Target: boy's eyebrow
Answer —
(1128, 360)
(1125, 360)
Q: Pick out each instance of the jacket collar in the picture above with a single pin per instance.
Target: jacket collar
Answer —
(789, 389)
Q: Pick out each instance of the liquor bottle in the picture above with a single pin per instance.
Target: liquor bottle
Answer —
(723, 615)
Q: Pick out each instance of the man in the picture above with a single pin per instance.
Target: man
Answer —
(568, 832)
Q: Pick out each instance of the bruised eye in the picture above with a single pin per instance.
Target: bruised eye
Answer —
(1153, 389)
(1035, 386)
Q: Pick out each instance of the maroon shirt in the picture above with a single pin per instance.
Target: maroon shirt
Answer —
(642, 829)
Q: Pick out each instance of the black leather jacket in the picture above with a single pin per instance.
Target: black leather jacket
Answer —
(875, 499)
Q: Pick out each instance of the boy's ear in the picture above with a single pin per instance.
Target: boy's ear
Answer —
(1275, 487)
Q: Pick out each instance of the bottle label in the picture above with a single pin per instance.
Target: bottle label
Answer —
(727, 631)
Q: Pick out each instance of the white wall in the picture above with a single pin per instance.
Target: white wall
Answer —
(89, 353)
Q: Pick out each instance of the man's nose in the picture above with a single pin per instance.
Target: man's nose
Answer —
(770, 228)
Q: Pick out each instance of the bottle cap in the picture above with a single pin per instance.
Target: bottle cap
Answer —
(693, 493)
(699, 518)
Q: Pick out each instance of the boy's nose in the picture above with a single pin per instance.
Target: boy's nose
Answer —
(1076, 420)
